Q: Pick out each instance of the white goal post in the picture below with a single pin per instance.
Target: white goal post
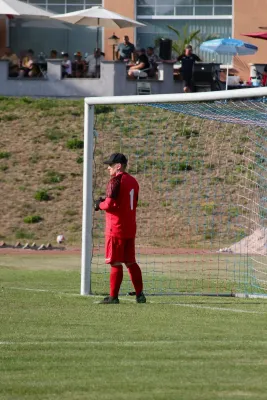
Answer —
(89, 103)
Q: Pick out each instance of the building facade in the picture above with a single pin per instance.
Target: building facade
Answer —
(222, 18)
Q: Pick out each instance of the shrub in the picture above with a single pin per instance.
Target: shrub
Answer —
(22, 234)
(53, 177)
(176, 181)
(3, 168)
(189, 132)
(233, 212)
(70, 212)
(60, 187)
(238, 150)
(54, 134)
(208, 208)
(209, 234)
(103, 109)
(35, 158)
(74, 144)
(26, 100)
(216, 179)
(9, 117)
(4, 154)
(143, 203)
(240, 234)
(231, 179)
(210, 166)
(45, 104)
(79, 160)
(76, 113)
(32, 219)
(183, 166)
(41, 195)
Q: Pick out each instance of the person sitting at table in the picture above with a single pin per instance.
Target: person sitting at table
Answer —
(125, 50)
(66, 66)
(188, 59)
(13, 62)
(29, 67)
(141, 67)
(53, 54)
(78, 66)
(94, 61)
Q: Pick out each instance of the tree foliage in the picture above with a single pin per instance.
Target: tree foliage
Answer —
(185, 37)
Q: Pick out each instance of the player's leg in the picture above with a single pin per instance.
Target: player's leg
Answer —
(134, 270)
(114, 252)
(116, 277)
(187, 85)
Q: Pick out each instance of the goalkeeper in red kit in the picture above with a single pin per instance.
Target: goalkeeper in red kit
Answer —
(120, 207)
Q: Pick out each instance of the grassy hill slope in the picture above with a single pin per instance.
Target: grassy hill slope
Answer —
(191, 172)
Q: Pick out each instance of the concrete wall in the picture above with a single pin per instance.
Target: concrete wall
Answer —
(123, 7)
(113, 82)
(248, 16)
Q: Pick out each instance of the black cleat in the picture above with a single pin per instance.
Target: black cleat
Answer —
(141, 298)
(110, 300)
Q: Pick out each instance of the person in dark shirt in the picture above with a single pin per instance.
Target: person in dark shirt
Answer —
(188, 59)
(141, 67)
(125, 50)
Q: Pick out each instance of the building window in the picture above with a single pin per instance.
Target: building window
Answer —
(211, 8)
(203, 10)
(63, 6)
(184, 10)
(165, 10)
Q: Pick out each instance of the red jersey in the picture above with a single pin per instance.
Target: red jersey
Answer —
(120, 206)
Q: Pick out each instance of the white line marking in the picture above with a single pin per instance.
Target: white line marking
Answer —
(42, 290)
(61, 293)
(216, 308)
(236, 310)
(91, 342)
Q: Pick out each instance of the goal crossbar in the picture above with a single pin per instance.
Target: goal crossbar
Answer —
(180, 97)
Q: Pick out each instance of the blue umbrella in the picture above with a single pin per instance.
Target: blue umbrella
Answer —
(231, 47)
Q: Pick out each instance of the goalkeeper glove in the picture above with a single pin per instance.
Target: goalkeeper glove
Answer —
(97, 202)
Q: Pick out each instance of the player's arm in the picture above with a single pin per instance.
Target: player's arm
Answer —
(108, 205)
(118, 53)
(113, 189)
(97, 203)
(105, 204)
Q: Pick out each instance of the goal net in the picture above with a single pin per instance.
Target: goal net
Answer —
(201, 166)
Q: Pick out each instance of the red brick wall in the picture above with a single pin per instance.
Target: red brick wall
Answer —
(123, 7)
(248, 16)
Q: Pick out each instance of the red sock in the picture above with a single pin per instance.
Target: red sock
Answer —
(116, 276)
(136, 277)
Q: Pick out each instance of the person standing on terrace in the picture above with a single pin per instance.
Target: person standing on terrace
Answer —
(125, 50)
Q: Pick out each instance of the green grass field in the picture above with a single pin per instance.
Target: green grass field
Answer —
(55, 344)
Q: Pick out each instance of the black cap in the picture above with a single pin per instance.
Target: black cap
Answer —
(116, 158)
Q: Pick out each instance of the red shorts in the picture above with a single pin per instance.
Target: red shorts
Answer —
(119, 250)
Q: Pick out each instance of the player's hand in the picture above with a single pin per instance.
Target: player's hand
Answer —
(97, 203)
